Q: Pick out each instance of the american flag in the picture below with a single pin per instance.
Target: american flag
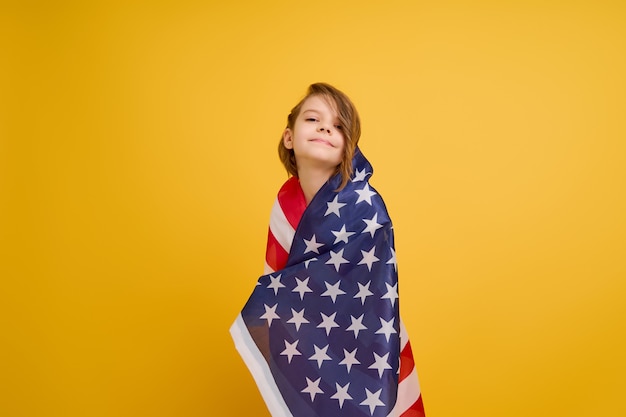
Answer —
(321, 332)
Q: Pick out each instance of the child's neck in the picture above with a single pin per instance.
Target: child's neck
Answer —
(311, 180)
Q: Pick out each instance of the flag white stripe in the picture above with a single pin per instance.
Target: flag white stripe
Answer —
(404, 336)
(267, 269)
(258, 368)
(280, 227)
(408, 393)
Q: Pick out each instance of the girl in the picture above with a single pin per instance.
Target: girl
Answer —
(321, 332)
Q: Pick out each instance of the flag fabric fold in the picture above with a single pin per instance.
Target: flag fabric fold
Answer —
(321, 333)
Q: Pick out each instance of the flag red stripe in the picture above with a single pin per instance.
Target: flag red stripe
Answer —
(292, 201)
(275, 254)
(407, 363)
(416, 410)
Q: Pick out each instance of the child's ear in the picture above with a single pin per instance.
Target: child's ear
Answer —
(288, 139)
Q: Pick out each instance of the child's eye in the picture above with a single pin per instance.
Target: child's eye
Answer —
(339, 127)
(311, 119)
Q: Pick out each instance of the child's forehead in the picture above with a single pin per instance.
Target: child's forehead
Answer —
(319, 103)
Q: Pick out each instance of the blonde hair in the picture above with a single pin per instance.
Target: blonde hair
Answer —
(348, 118)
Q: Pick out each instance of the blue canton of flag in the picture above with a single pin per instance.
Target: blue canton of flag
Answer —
(327, 325)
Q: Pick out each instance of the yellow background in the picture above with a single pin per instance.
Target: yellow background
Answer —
(138, 168)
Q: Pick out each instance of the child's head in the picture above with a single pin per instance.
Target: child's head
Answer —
(348, 119)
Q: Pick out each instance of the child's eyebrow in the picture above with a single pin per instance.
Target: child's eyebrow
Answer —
(310, 110)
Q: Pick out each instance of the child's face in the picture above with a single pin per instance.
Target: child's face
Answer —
(317, 136)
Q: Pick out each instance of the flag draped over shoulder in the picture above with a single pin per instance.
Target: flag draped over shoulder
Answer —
(321, 332)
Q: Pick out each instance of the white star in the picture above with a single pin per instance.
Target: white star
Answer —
(392, 293)
(372, 225)
(365, 194)
(392, 260)
(386, 327)
(368, 258)
(364, 292)
(380, 364)
(320, 355)
(328, 322)
(308, 261)
(312, 388)
(357, 325)
(275, 284)
(333, 291)
(302, 287)
(359, 175)
(334, 206)
(270, 314)
(349, 359)
(373, 400)
(312, 245)
(337, 259)
(341, 394)
(290, 350)
(297, 318)
(341, 235)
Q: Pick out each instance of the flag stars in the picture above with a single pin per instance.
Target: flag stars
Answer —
(360, 175)
(342, 394)
(380, 363)
(373, 400)
(392, 260)
(275, 284)
(341, 235)
(333, 291)
(391, 294)
(308, 261)
(386, 327)
(270, 314)
(336, 259)
(333, 207)
(297, 318)
(328, 322)
(364, 291)
(312, 245)
(357, 325)
(290, 350)
(368, 258)
(372, 225)
(349, 359)
(302, 287)
(320, 355)
(313, 388)
(365, 194)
